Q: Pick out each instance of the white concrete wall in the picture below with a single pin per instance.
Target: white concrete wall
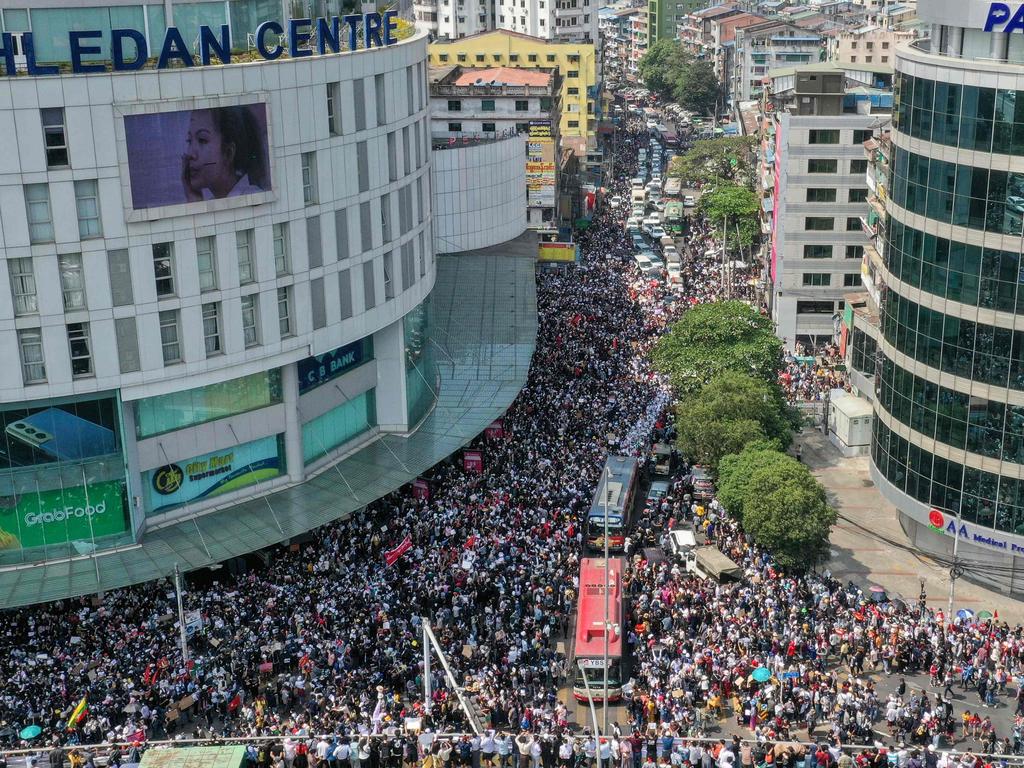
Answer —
(479, 194)
(294, 91)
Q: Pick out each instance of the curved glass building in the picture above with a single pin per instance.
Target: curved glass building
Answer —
(948, 446)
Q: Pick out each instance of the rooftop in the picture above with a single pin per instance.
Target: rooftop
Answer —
(501, 76)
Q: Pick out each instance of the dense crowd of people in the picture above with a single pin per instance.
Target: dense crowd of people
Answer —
(326, 639)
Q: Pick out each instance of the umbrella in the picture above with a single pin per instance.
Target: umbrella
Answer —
(984, 615)
(30, 731)
(964, 613)
(761, 674)
(878, 595)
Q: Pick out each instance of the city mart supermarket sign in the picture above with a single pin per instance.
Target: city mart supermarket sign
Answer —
(127, 49)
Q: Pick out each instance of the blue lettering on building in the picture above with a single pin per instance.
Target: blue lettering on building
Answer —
(319, 369)
(1001, 18)
(127, 50)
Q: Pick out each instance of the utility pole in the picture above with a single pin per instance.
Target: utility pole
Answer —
(428, 701)
(471, 713)
(593, 712)
(955, 570)
(181, 614)
(607, 624)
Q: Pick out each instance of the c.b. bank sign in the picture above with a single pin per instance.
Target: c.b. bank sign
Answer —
(127, 49)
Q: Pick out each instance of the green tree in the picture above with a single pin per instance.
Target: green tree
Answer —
(736, 209)
(697, 89)
(786, 511)
(736, 469)
(707, 162)
(662, 66)
(730, 411)
(717, 337)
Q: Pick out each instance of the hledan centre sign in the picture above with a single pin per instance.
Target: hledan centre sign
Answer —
(127, 49)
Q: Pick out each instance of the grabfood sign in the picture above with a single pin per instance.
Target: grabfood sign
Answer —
(63, 515)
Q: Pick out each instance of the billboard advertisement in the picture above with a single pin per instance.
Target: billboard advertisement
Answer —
(192, 155)
(557, 252)
(78, 513)
(212, 474)
(540, 166)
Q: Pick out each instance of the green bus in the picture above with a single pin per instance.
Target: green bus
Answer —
(674, 218)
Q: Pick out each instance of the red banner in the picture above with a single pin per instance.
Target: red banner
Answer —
(473, 461)
(391, 556)
(495, 430)
(420, 489)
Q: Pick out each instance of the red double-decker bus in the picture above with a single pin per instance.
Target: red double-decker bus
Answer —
(590, 627)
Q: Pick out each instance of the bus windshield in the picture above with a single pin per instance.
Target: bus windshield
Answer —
(595, 677)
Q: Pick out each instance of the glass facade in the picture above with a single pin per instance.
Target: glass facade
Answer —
(62, 479)
(962, 195)
(964, 116)
(420, 373)
(969, 274)
(986, 200)
(984, 498)
(985, 353)
(339, 425)
(166, 413)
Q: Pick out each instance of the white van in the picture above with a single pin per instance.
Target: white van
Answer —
(636, 182)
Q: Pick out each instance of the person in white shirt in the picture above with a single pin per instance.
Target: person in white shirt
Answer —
(565, 752)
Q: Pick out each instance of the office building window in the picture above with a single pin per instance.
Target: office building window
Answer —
(87, 204)
(250, 329)
(855, 251)
(817, 251)
(72, 280)
(169, 336)
(573, 91)
(860, 135)
(817, 279)
(852, 223)
(30, 344)
(822, 136)
(206, 259)
(858, 166)
(858, 196)
(369, 287)
(333, 114)
(572, 74)
(281, 261)
(359, 103)
(522, 105)
(284, 311)
(454, 105)
(385, 218)
(246, 264)
(488, 127)
(851, 279)
(378, 86)
(211, 328)
(454, 127)
(389, 283)
(23, 286)
(309, 177)
(119, 269)
(392, 140)
(40, 217)
(822, 166)
(819, 195)
(362, 166)
(127, 340)
(487, 105)
(163, 268)
(819, 223)
(54, 137)
(815, 307)
(574, 123)
(532, 58)
(80, 349)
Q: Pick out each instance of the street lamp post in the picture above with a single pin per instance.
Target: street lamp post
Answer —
(954, 569)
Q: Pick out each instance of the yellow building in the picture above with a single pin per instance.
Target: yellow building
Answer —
(576, 62)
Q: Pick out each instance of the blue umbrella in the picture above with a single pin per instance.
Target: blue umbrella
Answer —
(30, 731)
(965, 613)
(761, 674)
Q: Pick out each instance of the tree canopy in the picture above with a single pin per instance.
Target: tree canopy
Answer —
(675, 75)
(717, 337)
(786, 511)
(736, 469)
(707, 162)
(735, 208)
(727, 413)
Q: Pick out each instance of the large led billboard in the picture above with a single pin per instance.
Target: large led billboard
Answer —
(194, 155)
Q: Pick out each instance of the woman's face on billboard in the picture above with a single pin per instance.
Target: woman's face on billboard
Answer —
(209, 158)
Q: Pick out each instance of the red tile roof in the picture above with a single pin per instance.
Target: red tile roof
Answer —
(502, 76)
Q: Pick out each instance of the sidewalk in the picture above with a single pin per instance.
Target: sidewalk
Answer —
(869, 546)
